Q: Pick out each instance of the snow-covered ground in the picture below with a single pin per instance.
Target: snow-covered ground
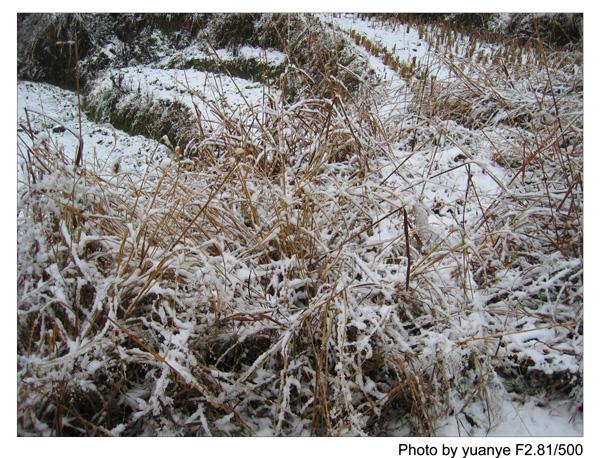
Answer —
(193, 88)
(53, 116)
(270, 57)
(444, 175)
(210, 96)
(521, 419)
(404, 43)
(447, 187)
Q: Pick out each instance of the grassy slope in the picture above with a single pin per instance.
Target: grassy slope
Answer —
(360, 263)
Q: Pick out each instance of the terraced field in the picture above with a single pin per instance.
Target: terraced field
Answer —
(298, 225)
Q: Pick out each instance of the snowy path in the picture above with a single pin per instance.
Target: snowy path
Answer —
(53, 116)
(405, 43)
(186, 86)
(213, 96)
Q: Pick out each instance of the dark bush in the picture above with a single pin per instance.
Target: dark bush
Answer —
(554, 29)
(226, 30)
(46, 47)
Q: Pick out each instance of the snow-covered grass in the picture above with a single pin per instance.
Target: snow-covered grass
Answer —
(180, 107)
(195, 51)
(192, 88)
(357, 264)
(48, 115)
(406, 43)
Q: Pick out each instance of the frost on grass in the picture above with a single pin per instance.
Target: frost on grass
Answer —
(351, 264)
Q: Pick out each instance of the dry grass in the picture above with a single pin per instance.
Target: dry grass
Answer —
(281, 280)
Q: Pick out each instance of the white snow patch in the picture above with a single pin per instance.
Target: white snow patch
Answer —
(53, 114)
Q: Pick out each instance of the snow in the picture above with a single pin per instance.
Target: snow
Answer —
(449, 317)
(193, 88)
(51, 108)
(271, 57)
(405, 43)
(522, 419)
